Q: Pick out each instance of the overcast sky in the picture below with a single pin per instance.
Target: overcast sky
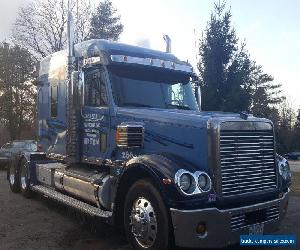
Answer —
(271, 29)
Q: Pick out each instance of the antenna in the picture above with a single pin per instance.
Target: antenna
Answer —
(196, 47)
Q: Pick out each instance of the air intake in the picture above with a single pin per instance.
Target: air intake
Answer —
(130, 135)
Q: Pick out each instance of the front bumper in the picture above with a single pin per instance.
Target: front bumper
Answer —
(219, 224)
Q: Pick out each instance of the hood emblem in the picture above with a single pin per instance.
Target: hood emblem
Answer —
(212, 197)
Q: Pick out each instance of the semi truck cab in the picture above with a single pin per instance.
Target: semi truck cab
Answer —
(123, 139)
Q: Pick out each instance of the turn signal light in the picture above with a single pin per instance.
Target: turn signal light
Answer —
(201, 228)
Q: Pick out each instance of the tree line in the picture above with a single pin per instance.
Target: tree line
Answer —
(230, 79)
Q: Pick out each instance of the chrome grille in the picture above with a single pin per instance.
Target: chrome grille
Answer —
(247, 161)
(239, 220)
(273, 213)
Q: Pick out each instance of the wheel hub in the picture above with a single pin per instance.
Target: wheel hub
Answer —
(24, 177)
(12, 179)
(143, 222)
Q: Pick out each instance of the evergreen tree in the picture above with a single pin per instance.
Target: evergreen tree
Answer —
(230, 80)
(104, 22)
(266, 94)
(224, 66)
(17, 93)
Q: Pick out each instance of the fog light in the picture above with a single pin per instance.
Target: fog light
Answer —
(201, 228)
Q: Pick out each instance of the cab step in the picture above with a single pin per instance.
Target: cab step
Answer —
(74, 203)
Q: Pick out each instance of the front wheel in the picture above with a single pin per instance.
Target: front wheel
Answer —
(145, 217)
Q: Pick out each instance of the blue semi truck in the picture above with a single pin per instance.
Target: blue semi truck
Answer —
(122, 138)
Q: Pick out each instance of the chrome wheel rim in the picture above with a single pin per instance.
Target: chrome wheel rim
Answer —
(12, 178)
(142, 221)
(24, 177)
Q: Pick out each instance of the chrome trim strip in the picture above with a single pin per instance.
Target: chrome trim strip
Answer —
(233, 210)
(152, 62)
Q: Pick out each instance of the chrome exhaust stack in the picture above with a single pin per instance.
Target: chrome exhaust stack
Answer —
(168, 43)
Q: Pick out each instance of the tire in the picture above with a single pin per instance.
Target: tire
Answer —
(14, 178)
(146, 221)
(24, 179)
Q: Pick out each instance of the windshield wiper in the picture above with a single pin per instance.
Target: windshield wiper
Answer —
(133, 104)
(169, 105)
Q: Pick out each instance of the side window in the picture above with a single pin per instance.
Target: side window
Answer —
(54, 102)
(94, 90)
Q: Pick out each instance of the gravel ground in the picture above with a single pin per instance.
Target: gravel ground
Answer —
(40, 224)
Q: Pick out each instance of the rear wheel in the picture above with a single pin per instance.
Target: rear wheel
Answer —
(24, 179)
(145, 217)
(14, 178)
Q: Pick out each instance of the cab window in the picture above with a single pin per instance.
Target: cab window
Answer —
(95, 91)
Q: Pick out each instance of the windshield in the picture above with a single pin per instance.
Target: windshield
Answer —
(141, 87)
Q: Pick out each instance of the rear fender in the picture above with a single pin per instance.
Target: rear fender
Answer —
(31, 158)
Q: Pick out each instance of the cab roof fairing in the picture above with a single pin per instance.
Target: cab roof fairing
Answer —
(96, 47)
(108, 51)
(105, 50)
(53, 64)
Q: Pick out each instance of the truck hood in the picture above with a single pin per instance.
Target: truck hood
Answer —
(190, 118)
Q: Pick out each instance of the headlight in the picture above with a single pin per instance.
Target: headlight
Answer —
(192, 183)
(284, 170)
(204, 182)
(185, 181)
(283, 167)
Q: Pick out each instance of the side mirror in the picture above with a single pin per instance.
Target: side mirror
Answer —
(196, 83)
(198, 94)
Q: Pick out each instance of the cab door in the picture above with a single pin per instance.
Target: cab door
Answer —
(95, 116)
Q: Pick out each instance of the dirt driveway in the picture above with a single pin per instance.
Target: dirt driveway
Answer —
(40, 224)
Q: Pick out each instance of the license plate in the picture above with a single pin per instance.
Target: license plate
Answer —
(256, 229)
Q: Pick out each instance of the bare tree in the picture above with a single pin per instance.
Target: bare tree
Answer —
(41, 26)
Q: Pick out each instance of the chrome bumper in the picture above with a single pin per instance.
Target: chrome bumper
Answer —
(218, 224)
